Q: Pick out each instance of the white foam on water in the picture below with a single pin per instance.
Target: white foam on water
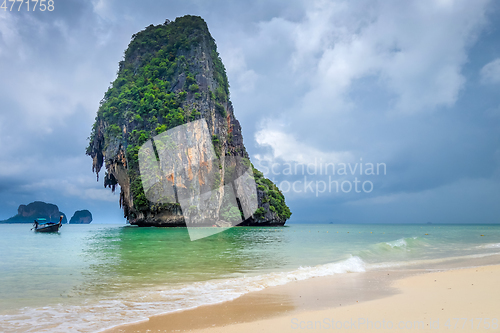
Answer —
(389, 251)
(489, 246)
(394, 264)
(401, 243)
(397, 243)
(138, 305)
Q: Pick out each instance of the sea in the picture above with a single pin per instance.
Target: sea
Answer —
(87, 278)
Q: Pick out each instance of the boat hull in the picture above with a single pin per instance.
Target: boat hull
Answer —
(50, 228)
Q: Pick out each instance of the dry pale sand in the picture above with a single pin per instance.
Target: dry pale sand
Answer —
(464, 300)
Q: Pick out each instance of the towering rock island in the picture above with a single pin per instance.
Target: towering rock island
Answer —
(172, 75)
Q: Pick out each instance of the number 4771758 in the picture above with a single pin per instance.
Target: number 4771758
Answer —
(28, 5)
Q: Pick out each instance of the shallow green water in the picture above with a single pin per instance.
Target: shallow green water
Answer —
(87, 271)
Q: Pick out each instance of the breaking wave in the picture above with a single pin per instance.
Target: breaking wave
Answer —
(141, 304)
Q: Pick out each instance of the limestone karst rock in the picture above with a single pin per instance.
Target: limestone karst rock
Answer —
(172, 75)
(37, 209)
(81, 217)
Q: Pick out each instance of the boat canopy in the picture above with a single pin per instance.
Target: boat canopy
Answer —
(44, 221)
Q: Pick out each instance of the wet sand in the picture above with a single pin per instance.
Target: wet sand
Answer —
(308, 295)
(405, 299)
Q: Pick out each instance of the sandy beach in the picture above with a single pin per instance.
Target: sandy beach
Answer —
(467, 300)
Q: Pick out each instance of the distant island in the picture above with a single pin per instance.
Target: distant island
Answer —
(81, 217)
(37, 209)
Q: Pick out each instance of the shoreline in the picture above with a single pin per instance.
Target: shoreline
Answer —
(375, 294)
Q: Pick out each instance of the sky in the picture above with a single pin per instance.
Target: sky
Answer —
(361, 111)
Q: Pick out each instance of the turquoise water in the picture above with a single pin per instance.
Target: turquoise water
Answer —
(90, 277)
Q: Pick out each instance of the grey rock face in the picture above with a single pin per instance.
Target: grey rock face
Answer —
(81, 217)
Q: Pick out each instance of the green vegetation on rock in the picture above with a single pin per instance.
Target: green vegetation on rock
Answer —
(272, 195)
(143, 96)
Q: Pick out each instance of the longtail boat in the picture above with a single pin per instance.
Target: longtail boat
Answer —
(42, 225)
